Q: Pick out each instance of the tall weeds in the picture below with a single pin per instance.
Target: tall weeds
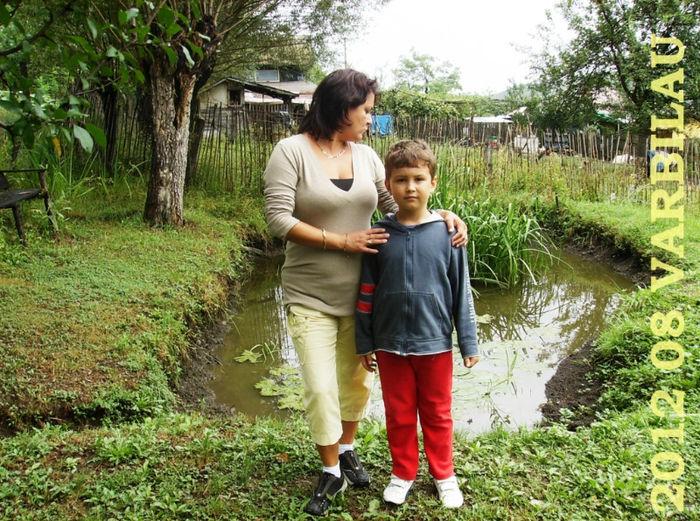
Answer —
(505, 246)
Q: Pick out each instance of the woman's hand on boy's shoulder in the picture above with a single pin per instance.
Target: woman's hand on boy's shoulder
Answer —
(453, 221)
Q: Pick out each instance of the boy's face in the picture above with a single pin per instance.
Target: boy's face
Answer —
(411, 187)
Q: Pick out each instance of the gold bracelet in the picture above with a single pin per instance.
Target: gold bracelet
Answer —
(323, 232)
(346, 242)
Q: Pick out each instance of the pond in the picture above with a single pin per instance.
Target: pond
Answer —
(524, 332)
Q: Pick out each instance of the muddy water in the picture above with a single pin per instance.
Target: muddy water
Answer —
(524, 333)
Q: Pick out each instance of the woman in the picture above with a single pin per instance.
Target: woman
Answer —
(321, 189)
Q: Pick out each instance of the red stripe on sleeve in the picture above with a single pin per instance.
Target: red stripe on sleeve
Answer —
(364, 307)
(367, 289)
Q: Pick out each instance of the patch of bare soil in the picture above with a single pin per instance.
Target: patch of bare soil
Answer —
(192, 390)
(573, 386)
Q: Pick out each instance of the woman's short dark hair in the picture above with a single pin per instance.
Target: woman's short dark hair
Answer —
(337, 93)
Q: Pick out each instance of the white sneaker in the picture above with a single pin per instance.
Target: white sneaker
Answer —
(397, 490)
(448, 490)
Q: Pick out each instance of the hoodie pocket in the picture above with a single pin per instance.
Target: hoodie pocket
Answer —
(428, 318)
(389, 314)
(416, 315)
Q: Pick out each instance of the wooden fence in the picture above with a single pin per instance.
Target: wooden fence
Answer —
(590, 165)
(235, 144)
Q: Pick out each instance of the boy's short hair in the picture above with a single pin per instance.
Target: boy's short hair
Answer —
(409, 153)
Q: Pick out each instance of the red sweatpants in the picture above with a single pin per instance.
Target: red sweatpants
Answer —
(423, 385)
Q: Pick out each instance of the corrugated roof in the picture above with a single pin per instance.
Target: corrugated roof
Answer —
(300, 87)
(254, 86)
(492, 119)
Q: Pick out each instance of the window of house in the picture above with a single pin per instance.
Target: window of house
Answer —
(234, 97)
(291, 75)
(267, 75)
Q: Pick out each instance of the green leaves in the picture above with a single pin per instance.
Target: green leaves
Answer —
(249, 355)
(422, 73)
(605, 65)
(172, 30)
(97, 134)
(33, 106)
(112, 48)
(127, 16)
(4, 15)
(172, 55)
(83, 136)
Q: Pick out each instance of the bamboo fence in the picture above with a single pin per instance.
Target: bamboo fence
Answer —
(236, 143)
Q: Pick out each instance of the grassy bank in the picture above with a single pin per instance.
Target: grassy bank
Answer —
(94, 323)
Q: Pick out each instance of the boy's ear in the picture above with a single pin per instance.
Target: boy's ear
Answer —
(433, 183)
(386, 183)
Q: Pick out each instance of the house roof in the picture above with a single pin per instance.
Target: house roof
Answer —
(253, 86)
(300, 87)
(491, 119)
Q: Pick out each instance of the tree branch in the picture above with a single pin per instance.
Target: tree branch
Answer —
(41, 33)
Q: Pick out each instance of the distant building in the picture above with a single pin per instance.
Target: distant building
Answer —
(234, 92)
(288, 79)
(270, 86)
(268, 107)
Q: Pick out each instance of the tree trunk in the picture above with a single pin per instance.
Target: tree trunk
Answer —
(109, 96)
(195, 143)
(171, 93)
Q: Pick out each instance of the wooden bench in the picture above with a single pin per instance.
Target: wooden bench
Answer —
(11, 197)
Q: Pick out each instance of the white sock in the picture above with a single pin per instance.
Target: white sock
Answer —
(344, 447)
(335, 470)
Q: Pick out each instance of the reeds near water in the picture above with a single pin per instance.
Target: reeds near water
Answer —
(505, 245)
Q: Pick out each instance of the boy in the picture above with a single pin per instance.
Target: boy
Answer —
(410, 292)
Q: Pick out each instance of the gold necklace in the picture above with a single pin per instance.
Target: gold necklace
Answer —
(328, 154)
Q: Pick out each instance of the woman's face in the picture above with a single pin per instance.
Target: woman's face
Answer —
(360, 119)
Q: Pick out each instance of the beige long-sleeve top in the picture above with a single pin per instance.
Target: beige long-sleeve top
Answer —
(297, 189)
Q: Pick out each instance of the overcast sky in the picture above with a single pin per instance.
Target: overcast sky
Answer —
(478, 37)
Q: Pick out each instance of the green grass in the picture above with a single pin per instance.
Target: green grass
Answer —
(185, 466)
(547, 178)
(95, 322)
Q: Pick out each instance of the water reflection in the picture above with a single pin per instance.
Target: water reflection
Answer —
(260, 325)
(524, 332)
(531, 329)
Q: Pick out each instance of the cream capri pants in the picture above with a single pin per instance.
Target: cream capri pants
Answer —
(336, 386)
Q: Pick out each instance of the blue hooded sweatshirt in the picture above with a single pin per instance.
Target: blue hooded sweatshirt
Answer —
(412, 291)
